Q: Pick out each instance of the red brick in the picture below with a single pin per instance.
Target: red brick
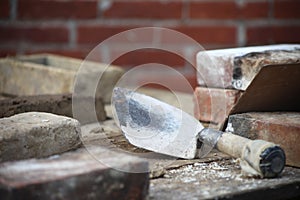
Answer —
(76, 175)
(157, 77)
(273, 34)
(4, 9)
(228, 10)
(138, 57)
(90, 34)
(280, 128)
(213, 10)
(253, 10)
(207, 34)
(213, 104)
(32, 34)
(76, 53)
(144, 9)
(287, 9)
(46, 9)
(8, 52)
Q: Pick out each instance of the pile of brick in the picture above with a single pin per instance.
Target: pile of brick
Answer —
(41, 149)
(237, 82)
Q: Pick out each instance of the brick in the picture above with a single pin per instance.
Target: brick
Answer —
(273, 34)
(138, 57)
(46, 9)
(36, 135)
(94, 34)
(8, 52)
(228, 10)
(75, 175)
(159, 77)
(80, 53)
(60, 104)
(254, 10)
(213, 104)
(33, 34)
(236, 68)
(225, 35)
(286, 9)
(279, 127)
(144, 9)
(4, 9)
(213, 10)
(44, 68)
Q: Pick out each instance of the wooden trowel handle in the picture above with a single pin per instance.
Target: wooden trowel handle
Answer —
(266, 158)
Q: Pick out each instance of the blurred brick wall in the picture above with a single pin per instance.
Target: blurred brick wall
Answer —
(74, 27)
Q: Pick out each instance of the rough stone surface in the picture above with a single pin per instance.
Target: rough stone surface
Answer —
(279, 127)
(51, 74)
(74, 175)
(236, 68)
(222, 180)
(60, 104)
(213, 104)
(36, 135)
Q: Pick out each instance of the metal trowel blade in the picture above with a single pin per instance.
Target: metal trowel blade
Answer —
(154, 125)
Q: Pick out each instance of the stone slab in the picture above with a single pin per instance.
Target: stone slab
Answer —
(36, 135)
(60, 104)
(51, 74)
(74, 175)
(281, 128)
(213, 104)
(236, 67)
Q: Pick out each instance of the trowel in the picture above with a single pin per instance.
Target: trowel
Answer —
(159, 127)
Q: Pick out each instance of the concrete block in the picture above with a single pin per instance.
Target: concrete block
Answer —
(51, 74)
(282, 128)
(213, 104)
(74, 175)
(60, 104)
(236, 68)
(36, 135)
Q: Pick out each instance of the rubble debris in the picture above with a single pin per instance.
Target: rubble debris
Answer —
(36, 135)
(222, 180)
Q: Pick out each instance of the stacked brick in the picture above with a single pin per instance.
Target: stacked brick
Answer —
(224, 76)
(74, 28)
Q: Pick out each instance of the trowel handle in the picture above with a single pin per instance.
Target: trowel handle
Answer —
(267, 158)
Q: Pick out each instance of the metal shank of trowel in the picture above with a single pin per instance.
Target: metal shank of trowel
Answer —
(267, 158)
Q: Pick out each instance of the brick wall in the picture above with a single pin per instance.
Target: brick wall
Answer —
(74, 27)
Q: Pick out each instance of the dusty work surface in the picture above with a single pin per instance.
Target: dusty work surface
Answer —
(215, 176)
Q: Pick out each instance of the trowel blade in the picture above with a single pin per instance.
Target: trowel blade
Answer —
(154, 125)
